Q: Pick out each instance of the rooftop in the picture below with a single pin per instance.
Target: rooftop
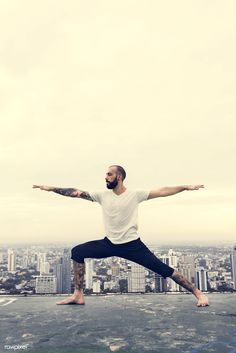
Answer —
(135, 323)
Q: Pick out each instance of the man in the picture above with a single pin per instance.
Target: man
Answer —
(120, 210)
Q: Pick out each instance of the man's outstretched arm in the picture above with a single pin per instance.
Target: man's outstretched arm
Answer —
(172, 190)
(72, 192)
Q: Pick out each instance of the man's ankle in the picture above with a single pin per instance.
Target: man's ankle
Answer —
(78, 293)
(197, 292)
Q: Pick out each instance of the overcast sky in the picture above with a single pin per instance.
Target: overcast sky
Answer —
(149, 85)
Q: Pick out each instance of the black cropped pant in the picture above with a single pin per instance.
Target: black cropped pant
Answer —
(134, 250)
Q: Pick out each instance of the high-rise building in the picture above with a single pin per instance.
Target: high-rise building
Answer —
(62, 271)
(11, 260)
(46, 284)
(115, 269)
(57, 271)
(44, 268)
(201, 278)
(160, 283)
(233, 265)
(172, 261)
(89, 266)
(136, 278)
(97, 286)
(187, 267)
(41, 257)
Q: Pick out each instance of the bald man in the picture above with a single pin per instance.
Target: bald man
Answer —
(120, 211)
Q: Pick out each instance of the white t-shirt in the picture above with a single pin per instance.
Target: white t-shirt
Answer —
(120, 213)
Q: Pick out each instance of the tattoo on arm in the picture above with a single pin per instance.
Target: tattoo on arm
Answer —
(72, 192)
(85, 195)
(65, 191)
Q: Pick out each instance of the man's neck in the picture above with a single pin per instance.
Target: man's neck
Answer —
(119, 189)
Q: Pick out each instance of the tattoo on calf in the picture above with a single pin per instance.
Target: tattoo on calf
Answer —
(79, 271)
(183, 281)
(65, 191)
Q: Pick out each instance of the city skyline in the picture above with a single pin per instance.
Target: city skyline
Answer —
(48, 270)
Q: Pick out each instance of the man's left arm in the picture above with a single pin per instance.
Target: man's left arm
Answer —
(171, 190)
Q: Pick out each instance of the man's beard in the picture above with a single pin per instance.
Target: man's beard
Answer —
(112, 184)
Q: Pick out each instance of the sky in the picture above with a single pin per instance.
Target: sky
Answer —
(149, 85)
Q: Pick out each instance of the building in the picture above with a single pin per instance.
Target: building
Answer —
(62, 271)
(115, 269)
(89, 269)
(46, 284)
(187, 267)
(160, 283)
(11, 260)
(233, 265)
(136, 278)
(201, 278)
(96, 286)
(172, 261)
(44, 268)
(41, 257)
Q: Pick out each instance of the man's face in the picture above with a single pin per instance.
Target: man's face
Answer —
(111, 178)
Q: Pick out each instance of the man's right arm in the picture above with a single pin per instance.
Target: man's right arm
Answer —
(72, 192)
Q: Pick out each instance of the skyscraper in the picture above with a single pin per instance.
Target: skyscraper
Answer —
(62, 270)
(233, 265)
(160, 283)
(11, 260)
(41, 257)
(89, 263)
(172, 261)
(44, 268)
(136, 278)
(201, 278)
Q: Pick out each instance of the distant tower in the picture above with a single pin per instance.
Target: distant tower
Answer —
(115, 269)
(233, 265)
(89, 263)
(136, 278)
(66, 271)
(160, 283)
(11, 260)
(41, 257)
(172, 261)
(62, 270)
(187, 267)
(201, 278)
(57, 271)
(44, 268)
(97, 286)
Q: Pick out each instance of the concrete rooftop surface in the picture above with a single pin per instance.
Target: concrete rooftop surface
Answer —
(137, 323)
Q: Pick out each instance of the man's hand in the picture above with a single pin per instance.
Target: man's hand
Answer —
(194, 187)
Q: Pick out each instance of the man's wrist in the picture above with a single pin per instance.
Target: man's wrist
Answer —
(45, 188)
(185, 187)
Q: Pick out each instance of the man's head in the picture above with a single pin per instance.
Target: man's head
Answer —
(115, 176)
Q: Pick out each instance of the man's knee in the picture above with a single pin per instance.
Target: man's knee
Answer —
(166, 271)
(77, 253)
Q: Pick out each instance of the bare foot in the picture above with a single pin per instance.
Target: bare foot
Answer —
(72, 300)
(202, 300)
